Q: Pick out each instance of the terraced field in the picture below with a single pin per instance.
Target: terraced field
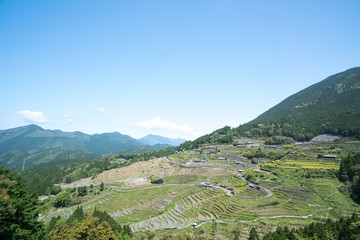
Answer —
(304, 190)
(311, 165)
(67, 212)
(197, 205)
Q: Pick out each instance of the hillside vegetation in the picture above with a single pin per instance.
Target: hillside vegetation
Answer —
(35, 145)
(331, 106)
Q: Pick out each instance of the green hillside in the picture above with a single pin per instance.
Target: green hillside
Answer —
(33, 138)
(331, 106)
(36, 145)
(17, 159)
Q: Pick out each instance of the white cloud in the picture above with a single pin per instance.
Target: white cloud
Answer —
(234, 123)
(68, 119)
(32, 117)
(158, 124)
(102, 109)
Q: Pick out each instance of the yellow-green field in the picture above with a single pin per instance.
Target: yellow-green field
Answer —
(313, 165)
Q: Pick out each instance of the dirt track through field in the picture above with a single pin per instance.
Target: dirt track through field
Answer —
(160, 167)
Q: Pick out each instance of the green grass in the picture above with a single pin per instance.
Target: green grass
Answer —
(307, 186)
(182, 179)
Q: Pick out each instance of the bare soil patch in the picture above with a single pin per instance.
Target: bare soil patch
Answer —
(160, 167)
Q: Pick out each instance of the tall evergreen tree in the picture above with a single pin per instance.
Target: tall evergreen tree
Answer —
(18, 210)
(253, 234)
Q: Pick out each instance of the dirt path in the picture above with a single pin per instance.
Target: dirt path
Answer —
(161, 167)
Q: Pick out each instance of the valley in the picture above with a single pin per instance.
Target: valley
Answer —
(292, 172)
(216, 190)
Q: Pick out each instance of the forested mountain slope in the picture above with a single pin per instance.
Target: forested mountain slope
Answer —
(33, 138)
(36, 145)
(330, 106)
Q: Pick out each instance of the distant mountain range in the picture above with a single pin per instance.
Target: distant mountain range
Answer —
(33, 138)
(331, 106)
(155, 139)
(37, 145)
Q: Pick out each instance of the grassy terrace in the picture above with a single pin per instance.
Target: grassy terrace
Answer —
(307, 164)
(305, 189)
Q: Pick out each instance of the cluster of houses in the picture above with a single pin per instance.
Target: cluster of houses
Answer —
(120, 160)
(274, 147)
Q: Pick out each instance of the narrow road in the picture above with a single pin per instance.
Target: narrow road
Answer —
(269, 193)
(141, 188)
(228, 192)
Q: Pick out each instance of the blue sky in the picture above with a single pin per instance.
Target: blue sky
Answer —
(173, 68)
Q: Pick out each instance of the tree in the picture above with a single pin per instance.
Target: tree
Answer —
(76, 217)
(253, 234)
(62, 200)
(101, 186)
(55, 190)
(122, 232)
(18, 210)
(82, 191)
(52, 223)
(89, 228)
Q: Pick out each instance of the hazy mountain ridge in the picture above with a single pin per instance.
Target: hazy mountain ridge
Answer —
(37, 145)
(156, 139)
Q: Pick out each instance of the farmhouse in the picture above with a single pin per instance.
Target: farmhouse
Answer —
(326, 156)
(239, 163)
(198, 161)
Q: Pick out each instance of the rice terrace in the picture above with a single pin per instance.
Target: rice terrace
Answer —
(179, 120)
(202, 190)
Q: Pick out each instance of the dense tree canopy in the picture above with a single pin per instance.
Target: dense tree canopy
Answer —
(81, 226)
(350, 172)
(343, 229)
(18, 210)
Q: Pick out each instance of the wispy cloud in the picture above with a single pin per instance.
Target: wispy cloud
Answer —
(102, 109)
(68, 119)
(158, 124)
(32, 117)
(234, 123)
